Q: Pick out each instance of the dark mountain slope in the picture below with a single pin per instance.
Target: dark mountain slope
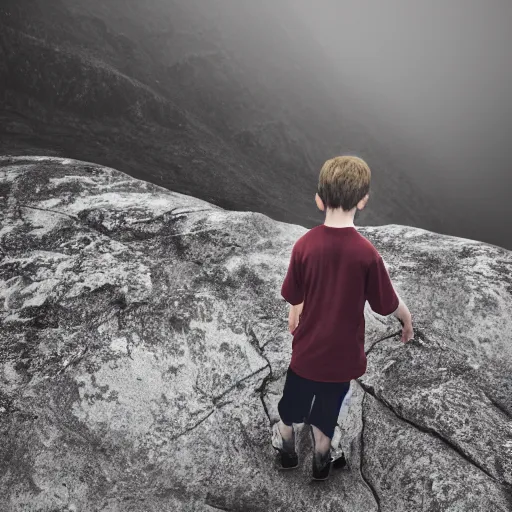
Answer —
(191, 96)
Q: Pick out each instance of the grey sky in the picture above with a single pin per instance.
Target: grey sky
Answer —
(431, 80)
(437, 72)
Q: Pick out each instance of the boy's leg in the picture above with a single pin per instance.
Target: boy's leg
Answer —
(294, 405)
(323, 420)
(322, 442)
(325, 411)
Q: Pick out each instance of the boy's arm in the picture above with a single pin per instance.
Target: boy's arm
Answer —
(404, 316)
(292, 289)
(380, 292)
(383, 298)
(402, 311)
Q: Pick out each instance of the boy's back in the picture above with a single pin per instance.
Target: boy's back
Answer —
(334, 271)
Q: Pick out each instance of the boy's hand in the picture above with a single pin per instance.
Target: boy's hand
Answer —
(294, 317)
(404, 317)
(407, 332)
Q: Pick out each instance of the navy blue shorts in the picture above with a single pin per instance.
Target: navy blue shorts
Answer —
(312, 402)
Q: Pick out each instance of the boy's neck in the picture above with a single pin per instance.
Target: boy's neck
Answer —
(339, 218)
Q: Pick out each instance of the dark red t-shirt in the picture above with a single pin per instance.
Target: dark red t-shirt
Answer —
(334, 271)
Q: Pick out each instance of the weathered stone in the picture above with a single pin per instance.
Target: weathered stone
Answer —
(144, 344)
(412, 470)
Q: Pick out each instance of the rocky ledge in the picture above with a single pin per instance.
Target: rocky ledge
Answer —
(144, 342)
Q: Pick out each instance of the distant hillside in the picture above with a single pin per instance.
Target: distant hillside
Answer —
(187, 98)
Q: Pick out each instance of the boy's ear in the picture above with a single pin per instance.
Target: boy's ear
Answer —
(363, 202)
(320, 204)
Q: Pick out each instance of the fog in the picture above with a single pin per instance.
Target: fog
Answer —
(423, 90)
(439, 75)
(431, 79)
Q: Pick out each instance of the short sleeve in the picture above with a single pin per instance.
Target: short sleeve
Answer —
(292, 289)
(380, 293)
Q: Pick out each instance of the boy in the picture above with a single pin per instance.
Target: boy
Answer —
(333, 271)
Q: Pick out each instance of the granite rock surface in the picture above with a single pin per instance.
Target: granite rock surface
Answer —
(143, 345)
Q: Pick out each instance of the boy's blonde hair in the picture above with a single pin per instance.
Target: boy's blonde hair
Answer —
(343, 182)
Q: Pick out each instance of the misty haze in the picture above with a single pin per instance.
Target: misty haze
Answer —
(240, 103)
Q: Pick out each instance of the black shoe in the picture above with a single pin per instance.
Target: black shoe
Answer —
(288, 461)
(322, 465)
(340, 462)
(287, 455)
